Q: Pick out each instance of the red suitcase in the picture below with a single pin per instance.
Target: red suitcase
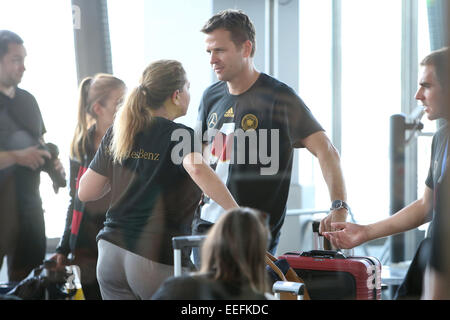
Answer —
(332, 275)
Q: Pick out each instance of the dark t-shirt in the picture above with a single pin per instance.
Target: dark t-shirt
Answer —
(440, 253)
(152, 198)
(254, 164)
(439, 180)
(21, 126)
(440, 139)
(203, 287)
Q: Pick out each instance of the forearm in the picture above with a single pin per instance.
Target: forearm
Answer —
(208, 181)
(330, 165)
(405, 219)
(7, 159)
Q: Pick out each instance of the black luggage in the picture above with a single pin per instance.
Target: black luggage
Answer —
(47, 283)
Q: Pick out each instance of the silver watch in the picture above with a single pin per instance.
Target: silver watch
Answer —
(339, 204)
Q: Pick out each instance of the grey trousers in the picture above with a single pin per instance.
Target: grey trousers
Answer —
(123, 275)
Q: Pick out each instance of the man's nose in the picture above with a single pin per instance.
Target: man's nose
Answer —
(419, 95)
(213, 58)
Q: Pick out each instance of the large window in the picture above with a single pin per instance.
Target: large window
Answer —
(153, 30)
(371, 86)
(315, 84)
(46, 28)
(371, 93)
(423, 140)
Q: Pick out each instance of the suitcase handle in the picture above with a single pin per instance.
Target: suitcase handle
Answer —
(187, 241)
(328, 254)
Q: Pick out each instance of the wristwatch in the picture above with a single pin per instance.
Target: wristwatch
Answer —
(339, 204)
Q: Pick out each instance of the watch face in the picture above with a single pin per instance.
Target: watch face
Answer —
(337, 204)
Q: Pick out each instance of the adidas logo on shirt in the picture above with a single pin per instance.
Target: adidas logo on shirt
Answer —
(229, 113)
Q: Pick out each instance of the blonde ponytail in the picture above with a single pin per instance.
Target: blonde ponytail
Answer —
(158, 82)
(77, 147)
(131, 118)
(92, 90)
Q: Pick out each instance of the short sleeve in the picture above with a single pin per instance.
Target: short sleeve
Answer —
(201, 127)
(429, 182)
(184, 141)
(103, 162)
(299, 120)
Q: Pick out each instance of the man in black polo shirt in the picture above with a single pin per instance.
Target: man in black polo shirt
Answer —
(21, 129)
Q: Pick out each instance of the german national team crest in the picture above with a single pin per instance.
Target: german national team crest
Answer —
(249, 121)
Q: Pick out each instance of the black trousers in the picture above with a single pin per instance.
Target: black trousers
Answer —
(411, 287)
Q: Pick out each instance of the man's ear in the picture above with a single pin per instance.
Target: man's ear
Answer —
(175, 95)
(247, 48)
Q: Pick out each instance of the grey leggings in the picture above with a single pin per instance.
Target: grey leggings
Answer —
(123, 275)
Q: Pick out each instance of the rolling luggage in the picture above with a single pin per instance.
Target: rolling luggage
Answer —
(336, 275)
(331, 275)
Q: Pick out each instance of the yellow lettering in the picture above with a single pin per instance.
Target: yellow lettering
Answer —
(145, 155)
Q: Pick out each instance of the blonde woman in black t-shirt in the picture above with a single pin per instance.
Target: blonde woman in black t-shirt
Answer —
(156, 182)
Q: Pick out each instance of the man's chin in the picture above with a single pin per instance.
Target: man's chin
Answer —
(221, 76)
(15, 83)
(432, 117)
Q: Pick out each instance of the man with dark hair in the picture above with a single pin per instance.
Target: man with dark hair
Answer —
(437, 274)
(433, 95)
(251, 123)
(21, 160)
(30, 157)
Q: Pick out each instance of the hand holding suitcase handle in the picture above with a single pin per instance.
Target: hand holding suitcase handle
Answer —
(326, 244)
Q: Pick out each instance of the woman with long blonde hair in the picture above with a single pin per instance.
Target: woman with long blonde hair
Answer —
(99, 98)
(155, 184)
